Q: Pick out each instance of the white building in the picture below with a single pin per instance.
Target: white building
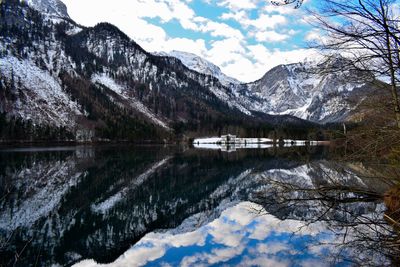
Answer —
(229, 139)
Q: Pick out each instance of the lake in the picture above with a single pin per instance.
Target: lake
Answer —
(181, 206)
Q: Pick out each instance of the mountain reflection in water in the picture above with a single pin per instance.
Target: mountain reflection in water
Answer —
(92, 205)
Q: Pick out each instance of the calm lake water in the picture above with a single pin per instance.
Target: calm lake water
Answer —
(175, 206)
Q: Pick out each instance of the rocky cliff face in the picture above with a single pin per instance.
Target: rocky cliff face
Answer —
(54, 8)
(308, 90)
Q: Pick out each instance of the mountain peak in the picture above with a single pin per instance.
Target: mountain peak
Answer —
(53, 8)
(201, 65)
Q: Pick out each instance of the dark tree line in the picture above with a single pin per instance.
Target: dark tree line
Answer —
(17, 129)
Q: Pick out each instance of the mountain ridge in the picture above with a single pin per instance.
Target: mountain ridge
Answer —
(201, 65)
(52, 8)
(306, 90)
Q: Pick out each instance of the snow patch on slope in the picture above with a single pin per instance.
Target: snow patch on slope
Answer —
(201, 65)
(108, 82)
(40, 98)
(305, 90)
(52, 8)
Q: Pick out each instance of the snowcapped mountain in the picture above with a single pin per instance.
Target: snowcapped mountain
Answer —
(201, 65)
(307, 90)
(54, 8)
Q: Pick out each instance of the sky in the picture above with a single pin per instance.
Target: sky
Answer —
(245, 38)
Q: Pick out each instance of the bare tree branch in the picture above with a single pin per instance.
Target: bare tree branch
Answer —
(367, 34)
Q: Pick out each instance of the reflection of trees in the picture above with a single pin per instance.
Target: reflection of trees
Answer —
(348, 207)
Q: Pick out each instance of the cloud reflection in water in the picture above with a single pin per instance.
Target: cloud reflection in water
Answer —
(241, 237)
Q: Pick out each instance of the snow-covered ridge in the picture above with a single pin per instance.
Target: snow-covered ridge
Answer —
(142, 71)
(108, 82)
(52, 8)
(303, 89)
(306, 90)
(201, 65)
(41, 98)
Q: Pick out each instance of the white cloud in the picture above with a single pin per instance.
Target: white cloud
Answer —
(183, 13)
(261, 23)
(221, 29)
(266, 21)
(283, 10)
(238, 5)
(197, 47)
(267, 59)
(313, 36)
(270, 36)
(236, 16)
